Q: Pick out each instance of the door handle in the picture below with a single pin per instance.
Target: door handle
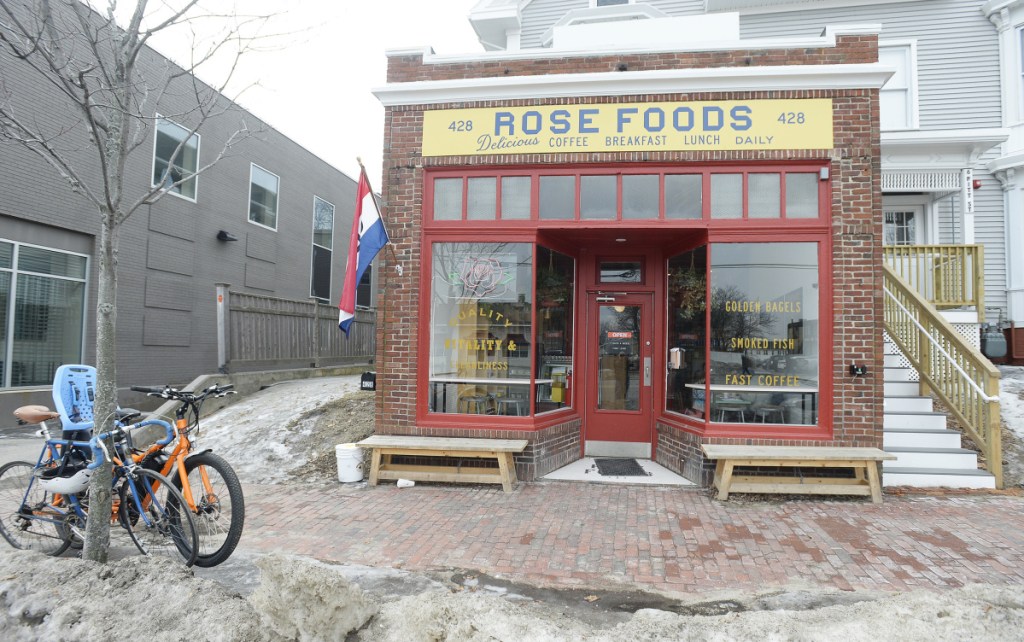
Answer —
(647, 372)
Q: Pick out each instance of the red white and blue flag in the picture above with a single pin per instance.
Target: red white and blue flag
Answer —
(368, 238)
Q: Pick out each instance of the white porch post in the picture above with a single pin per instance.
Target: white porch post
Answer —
(967, 204)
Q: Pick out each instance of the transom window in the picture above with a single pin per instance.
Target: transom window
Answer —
(175, 156)
(667, 194)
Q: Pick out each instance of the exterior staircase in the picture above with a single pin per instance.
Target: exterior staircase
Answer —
(928, 453)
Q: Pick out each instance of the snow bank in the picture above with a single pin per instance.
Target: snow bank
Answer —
(303, 599)
(972, 613)
(261, 436)
(44, 598)
(1011, 406)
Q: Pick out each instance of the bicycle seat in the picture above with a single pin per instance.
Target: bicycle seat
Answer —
(127, 415)
(35, 414)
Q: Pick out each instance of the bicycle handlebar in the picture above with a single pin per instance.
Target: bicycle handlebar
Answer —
(99, 450)
(173, 393)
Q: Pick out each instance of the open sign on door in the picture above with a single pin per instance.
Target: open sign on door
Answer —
(620, 335)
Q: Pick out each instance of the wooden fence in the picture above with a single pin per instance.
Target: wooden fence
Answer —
(262, 332)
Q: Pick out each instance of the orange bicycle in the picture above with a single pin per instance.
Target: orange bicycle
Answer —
(209, 485)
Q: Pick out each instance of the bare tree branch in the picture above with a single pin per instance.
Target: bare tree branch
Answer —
(110, 87)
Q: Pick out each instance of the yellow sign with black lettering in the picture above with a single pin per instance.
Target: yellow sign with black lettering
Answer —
(630, 127)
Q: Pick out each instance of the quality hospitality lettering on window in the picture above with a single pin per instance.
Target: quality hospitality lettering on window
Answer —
(667, 126)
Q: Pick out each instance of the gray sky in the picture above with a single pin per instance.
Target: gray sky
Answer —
(314, 83)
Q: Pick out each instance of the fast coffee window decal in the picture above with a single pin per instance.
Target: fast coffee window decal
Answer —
(630, 127)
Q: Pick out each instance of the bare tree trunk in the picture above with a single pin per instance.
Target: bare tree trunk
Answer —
(97, 533)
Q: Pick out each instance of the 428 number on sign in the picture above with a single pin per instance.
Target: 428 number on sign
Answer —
(792, 118)
(461, 126)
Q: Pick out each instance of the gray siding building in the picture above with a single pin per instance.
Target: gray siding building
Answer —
(264, 219)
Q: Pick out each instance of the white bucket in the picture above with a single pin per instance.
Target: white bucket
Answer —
(350, 462)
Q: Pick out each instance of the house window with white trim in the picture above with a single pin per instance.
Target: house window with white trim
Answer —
(898, 97)
(263, 189)
(900, 228)
(175, 156)
(323, 244)
(42, 312)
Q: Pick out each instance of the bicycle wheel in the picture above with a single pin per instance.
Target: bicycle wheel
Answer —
(155, 520)
(28, 519)
(217, 505)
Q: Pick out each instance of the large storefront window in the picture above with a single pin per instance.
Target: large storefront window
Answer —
(480, 328)
(687, 297)
(555, 276)
(764, 333)
(43, 292)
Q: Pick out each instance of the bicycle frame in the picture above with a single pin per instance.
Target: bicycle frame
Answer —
(176, 458)
(55, 449)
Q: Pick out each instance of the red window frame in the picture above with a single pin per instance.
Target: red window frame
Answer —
(745, 229)
(705, 171)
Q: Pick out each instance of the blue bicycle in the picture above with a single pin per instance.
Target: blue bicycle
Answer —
(44, 507)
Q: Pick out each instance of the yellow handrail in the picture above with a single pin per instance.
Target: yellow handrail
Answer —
(948, 276)
(950, 368)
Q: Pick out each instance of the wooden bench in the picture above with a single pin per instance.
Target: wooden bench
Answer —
(386, 446)
(863, 461)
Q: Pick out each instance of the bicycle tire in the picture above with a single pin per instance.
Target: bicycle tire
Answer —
(220, 518)
(20, 499)
(166, 530)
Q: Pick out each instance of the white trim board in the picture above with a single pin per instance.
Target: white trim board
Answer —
(670, 81)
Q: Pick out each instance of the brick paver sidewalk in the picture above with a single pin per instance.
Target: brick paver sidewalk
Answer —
(570, 534)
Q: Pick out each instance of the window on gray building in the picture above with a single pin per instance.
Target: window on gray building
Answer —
(323, 244)
(263, 187)
(42, 311)
(175, 156)
(364, 289)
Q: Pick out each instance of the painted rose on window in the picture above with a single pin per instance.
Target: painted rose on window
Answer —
(485, 277)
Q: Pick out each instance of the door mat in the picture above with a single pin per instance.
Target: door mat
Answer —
(619, 467)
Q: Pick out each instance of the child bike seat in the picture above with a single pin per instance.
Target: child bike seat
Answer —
(74, 394)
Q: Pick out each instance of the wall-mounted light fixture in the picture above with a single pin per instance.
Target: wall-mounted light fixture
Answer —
(223, 235)
(858, 370)
(976, 183)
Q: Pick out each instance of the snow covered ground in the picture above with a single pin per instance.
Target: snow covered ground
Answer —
(265, 433)
(1011, 399)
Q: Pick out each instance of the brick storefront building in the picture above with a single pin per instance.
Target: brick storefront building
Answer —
(634, 253)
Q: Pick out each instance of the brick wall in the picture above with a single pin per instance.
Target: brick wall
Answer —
(856, 223)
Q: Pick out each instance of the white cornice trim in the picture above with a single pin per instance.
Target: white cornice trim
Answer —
(995, 6)
(1004, 163)
(827, 39)
(670, 81)
(939, 149)
(747, 7)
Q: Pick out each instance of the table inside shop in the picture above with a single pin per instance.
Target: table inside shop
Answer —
(444, 381)
(719, 388)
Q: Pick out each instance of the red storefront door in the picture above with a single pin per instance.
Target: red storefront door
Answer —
(619, 375)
